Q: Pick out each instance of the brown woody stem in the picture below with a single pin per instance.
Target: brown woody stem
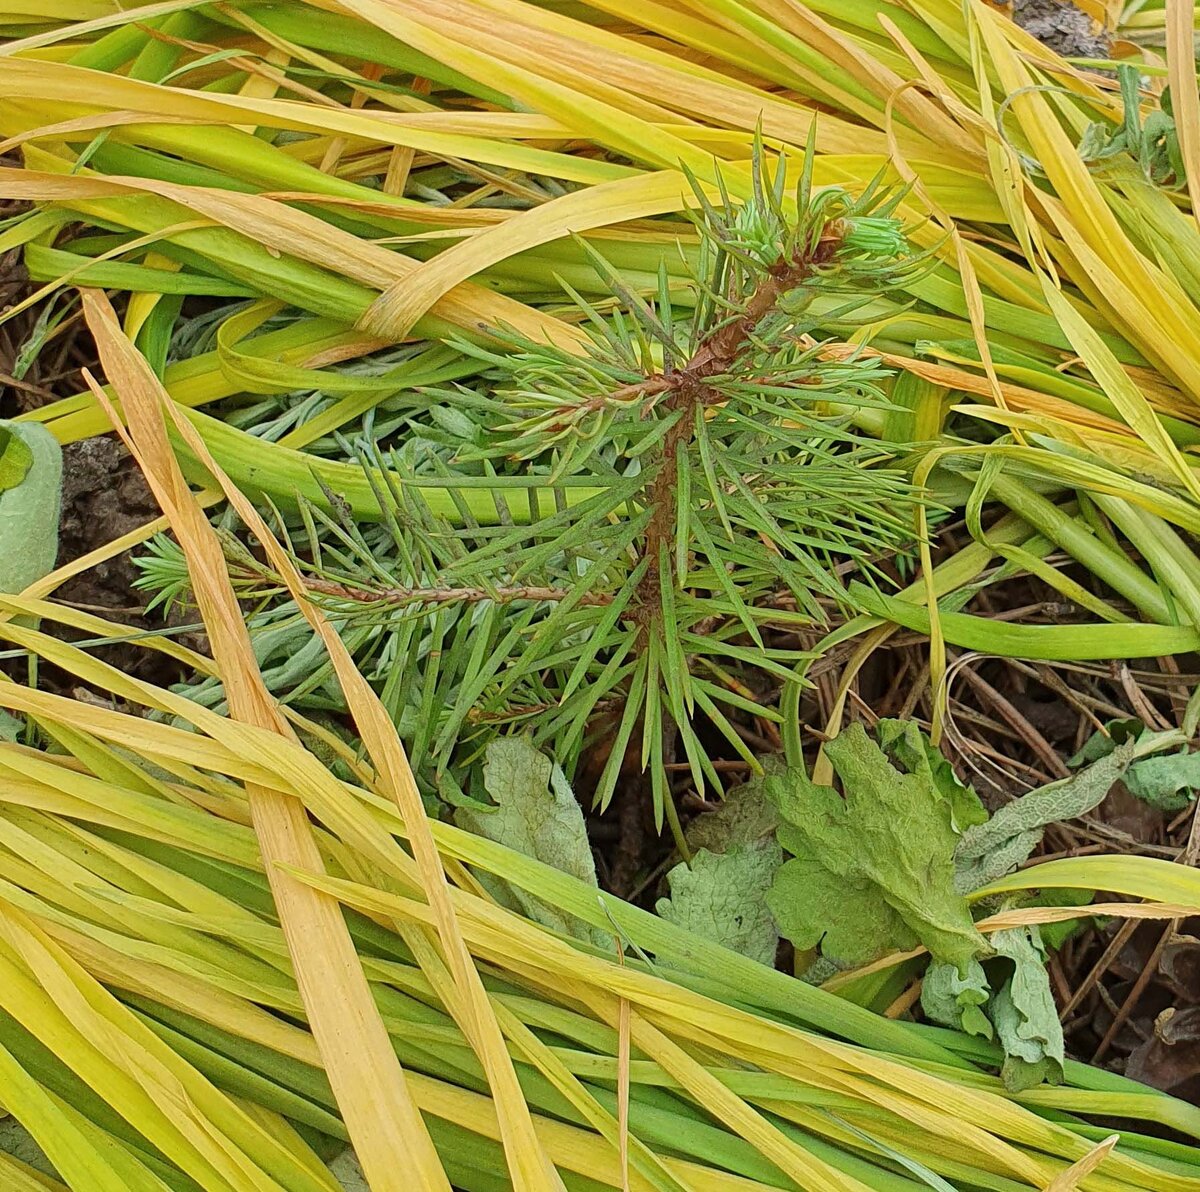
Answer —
(690, 390)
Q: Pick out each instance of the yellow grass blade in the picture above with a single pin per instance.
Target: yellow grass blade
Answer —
(19, 1177)
(529, 1166)
(536, 951)
(141, 306)
(1185, 100)
(287, 230)
(661, 83)
(367, 1080)
(1140, 283)
(67, 1009)
(125, 101)
(1072, 1179)
(82, 26)
(1137, 877)
(94, 626)
(518, 945)
(601, 117)
(396, 310)
(77, 1152)
(889, 88)
(1125, 395)
(576, 78)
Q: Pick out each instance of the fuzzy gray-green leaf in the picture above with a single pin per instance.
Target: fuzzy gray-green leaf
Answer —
(346, 1169)
(1024, 1014)
(957, 1001)
(537, 814)
(744, 816)
(30, 501)
(988, 851)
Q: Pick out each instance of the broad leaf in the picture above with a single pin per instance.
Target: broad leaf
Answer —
(348, 1172)
(536, 814)
(30, 500)
(15, 458)
(988, 851)
(873, 872)
(1021, 1013)
(1102, 742)
(957, 1001)
(904, 743)
(1168, 782)
(847, 916)
(745, 816)
(722, 896)
(1024, 1014)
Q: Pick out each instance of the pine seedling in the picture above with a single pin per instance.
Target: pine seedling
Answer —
(671, 507)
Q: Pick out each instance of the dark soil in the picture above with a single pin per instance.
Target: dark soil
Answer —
(1062, 27)
(104, 497)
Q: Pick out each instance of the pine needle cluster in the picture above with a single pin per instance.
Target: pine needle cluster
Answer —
(671, 508)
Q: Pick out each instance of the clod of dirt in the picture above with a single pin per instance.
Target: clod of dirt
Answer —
(1062, 27)
(104, 497)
